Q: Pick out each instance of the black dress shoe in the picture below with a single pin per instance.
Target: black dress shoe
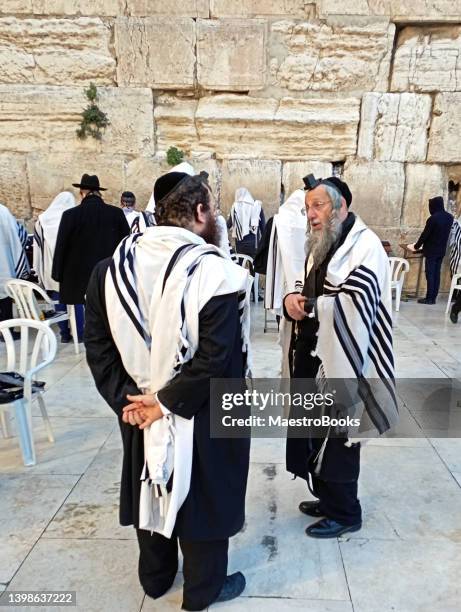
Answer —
(453, 316)
(426, 301)
(327, 528)
(233, 586)
(311, 508)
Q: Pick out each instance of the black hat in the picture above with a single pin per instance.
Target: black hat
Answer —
(90, 182)
(310, 182)
(166, 183)
(342, 187)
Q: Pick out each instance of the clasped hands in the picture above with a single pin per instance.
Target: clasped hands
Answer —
(142, 411)
(295, 306)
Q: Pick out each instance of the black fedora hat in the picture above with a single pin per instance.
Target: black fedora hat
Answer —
(90, 182)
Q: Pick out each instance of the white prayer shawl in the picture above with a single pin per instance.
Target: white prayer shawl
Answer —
(285, 264)
(286, 257)
(155, 326)
(140, 221)
(355, 326)
(245, 214)
(182, 167)
(13, 261)
(455, 247)
(45, 235)
(223, 235)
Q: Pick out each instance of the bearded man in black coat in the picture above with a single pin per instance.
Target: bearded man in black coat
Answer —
(87, 234)
(214, 507)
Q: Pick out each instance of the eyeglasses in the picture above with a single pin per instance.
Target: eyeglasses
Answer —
(317, 206)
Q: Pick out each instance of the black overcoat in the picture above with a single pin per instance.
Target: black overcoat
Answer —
(215, 506)
(87, 234)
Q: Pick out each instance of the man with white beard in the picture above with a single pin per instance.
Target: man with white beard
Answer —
(343, 331)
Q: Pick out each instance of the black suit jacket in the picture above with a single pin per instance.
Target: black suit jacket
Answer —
(215, 506)
(87, 234)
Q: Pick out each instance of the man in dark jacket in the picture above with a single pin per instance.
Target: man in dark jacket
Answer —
(433, 241)
(87, 234)
(214, 507)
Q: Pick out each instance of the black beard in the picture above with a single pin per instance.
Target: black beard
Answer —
(211, 232)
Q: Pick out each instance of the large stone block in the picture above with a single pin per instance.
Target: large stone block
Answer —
(398, 10)
(175, 122)
(444, 142)
(257, 8)
(173, 8)
(427, 59)
(156, 52)
(99, 8)
(393, 127)
(240, 126)
(55, 51)
(261, 177)
(14, 185)
(319, 57)
(50, 173)
(377, 190)
(231, 54)
(293, 173)
(423, 181)
(45, 118)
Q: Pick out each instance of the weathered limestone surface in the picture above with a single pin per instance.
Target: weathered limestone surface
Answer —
(55, 51)
(156, 52)
(318, 57)
(14, 189)
(310, 129)
(428, 59)
(256, 8)
(444, 142)
(393, 127)
(398, 10)
(45, 118)
(100, 8)
(175, 122)
(293, 173)
(172, 8)
(261, 177)
(231, 54)
(423, 181)
(50, 173)
(377, 189)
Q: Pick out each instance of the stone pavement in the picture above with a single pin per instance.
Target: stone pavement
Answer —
(59, 523)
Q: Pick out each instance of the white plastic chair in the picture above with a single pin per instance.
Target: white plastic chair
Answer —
(399, 267)
(22, 293)
(247, 262)
(455, 284)
(26, 362)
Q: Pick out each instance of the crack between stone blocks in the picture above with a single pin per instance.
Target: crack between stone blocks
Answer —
(429, 127)
(392, 58)
(403, 207)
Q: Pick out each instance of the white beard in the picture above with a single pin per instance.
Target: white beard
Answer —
(319, 243)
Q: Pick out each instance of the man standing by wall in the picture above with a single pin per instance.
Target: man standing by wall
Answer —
(343, 331)
(433, 241)
(87, 234)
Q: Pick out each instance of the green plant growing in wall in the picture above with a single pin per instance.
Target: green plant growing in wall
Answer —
(174, 156)
(94, 120)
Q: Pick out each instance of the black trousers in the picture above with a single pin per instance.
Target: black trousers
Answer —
(6, 309)
(338, 500)
(433, 266)
(337, 484)
(204, 567)
(457, 305)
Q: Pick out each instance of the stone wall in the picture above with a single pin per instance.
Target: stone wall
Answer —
(257, 92)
